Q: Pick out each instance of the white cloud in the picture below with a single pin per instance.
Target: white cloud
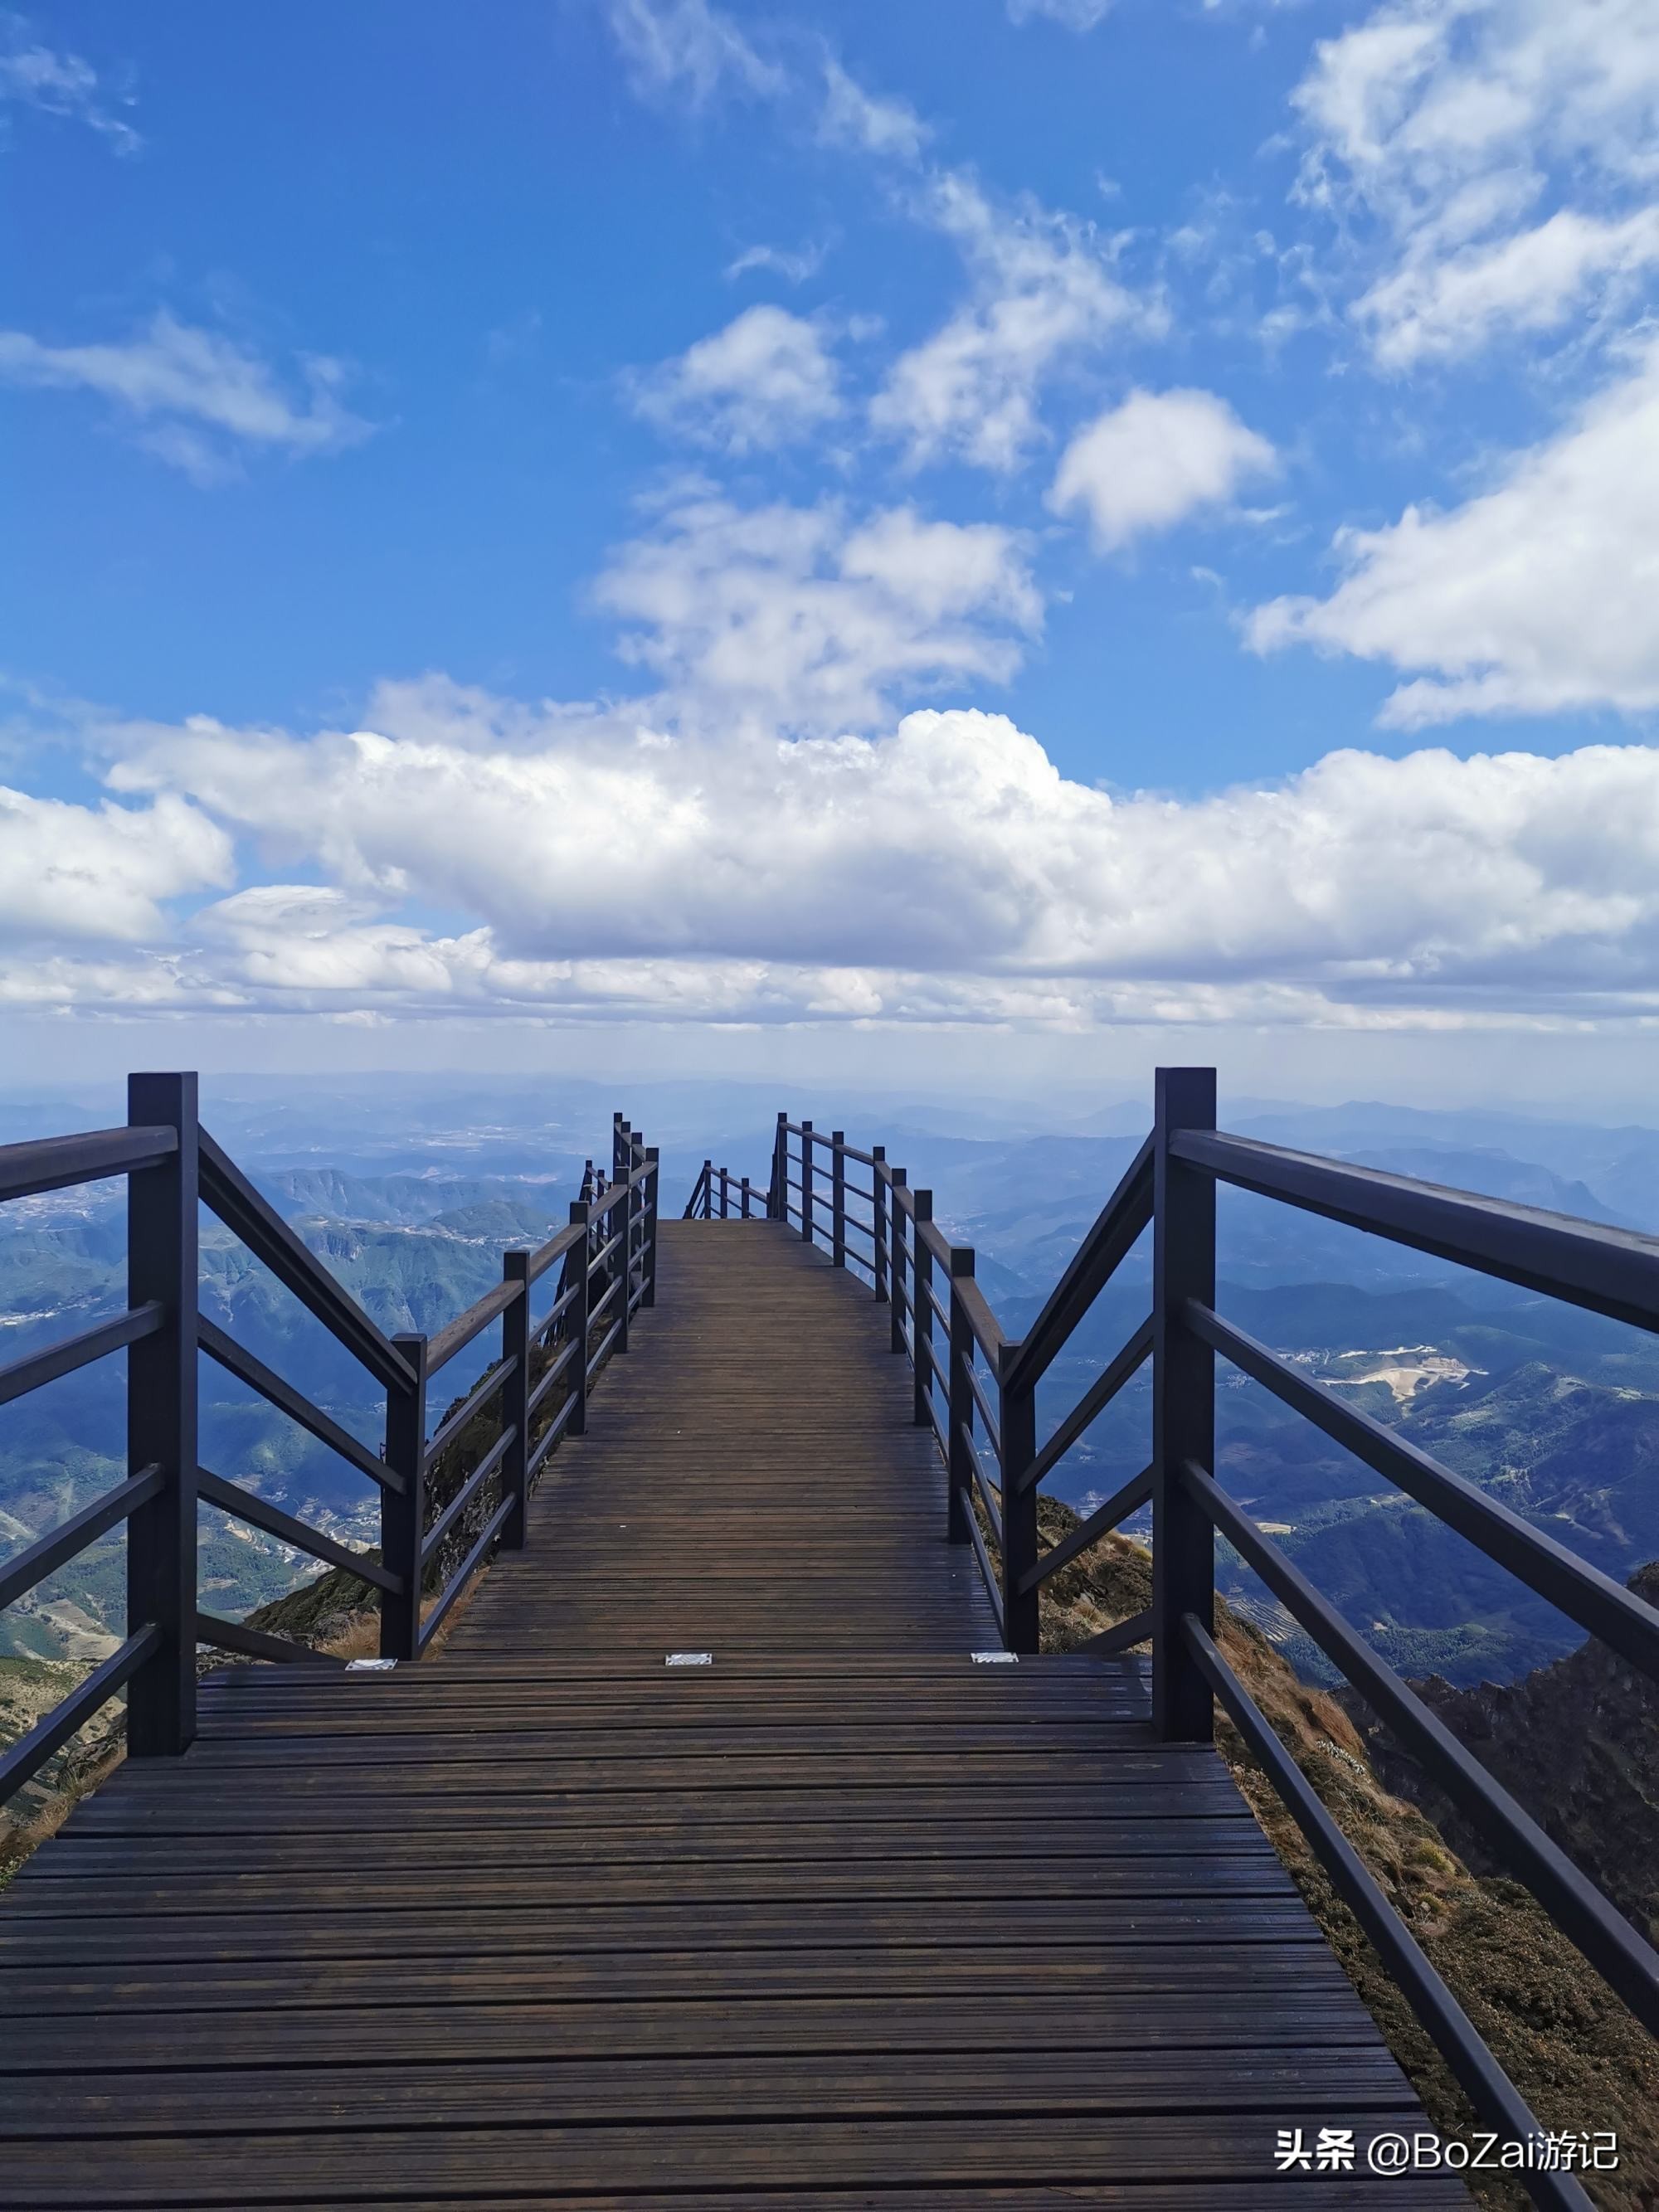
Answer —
(1043, 293)
(1147, 465)
(199, 395)
(1495, 160)
(793, 266)
(1536, 596)
(36, 76)
(945, 872)
(767, 377)
(797, 618)
(70, 871)
(1530, 281)
(686, 49)
(854, 117)
(1074, 15)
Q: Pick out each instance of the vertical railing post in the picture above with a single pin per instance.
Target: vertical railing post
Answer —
(515, 1399)
(806, 1181)
(581, 1257)
(402, 1511)
(621, 1263)
(895, 1177)
(707, 1190)
(1183, 1406)
(921, 1310)
(618, 1146)
(161, 1418)
(961, 1398)
(745, 1198)
(879, 1185)
(725, 1195)
(1017, 1425)
(652, 1189)
(778, 1192)
(838, 1198)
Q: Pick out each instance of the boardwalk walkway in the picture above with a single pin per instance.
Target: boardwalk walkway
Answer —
(843, 1919)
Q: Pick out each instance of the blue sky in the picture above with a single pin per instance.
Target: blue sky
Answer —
(1131, 528)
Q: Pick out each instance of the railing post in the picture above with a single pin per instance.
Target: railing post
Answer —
(778, 1193)
(622, 1263)
(618, 1146)
(896, 1176)
(806, 1180)
(1183, 1406)
(652, 1188)
(576, 1323)
(1017, 1424)
(879, 1185)
(725, 1195)
(161, 1416)
(708, 1189)
(745, 1198)
(961, 1398)
(922, 1311)
(403, 1515)
(838, 1198)
(515, 1399)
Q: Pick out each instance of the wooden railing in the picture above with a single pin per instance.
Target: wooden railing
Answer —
(976, 1388)
(534, 1393)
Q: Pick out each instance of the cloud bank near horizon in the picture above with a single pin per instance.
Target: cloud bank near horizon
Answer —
(463, 854)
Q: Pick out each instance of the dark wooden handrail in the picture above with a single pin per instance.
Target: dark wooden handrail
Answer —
(1611, 1271)
(173, 1163)
(227, 1192)
(45, 1164)
(1123, 1219)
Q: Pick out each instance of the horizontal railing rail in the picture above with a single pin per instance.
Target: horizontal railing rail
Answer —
(445, 1500)
(44, 1163)
(975, 1388)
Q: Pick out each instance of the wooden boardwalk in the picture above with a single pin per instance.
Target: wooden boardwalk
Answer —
(841, 1919)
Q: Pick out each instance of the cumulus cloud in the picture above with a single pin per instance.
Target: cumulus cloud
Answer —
(801, 617)
(102, 872)
(684, 49)
(199, 397)
(945, 870)
(34, 75)
(1145, 466)
(1534, 597)
(1043, 292)
(1496, 157)
(767, 377)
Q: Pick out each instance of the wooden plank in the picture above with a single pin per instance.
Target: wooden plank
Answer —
(1008, 2151)
(1151, 1972)
(542, 1890)
(232, 2101)
(1026, 1924)
(80, 1853)
(1259, 2020)
(1323, 2194)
